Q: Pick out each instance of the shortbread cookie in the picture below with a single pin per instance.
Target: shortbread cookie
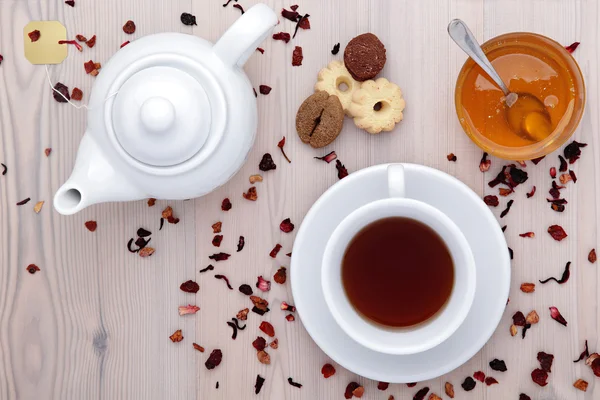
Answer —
(319, 119)
(377, 106)
(336, 80)
(364, 57)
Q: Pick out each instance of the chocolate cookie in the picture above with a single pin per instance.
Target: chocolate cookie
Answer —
(364, 57)
(320, 119)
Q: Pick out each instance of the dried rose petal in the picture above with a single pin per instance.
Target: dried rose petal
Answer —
(251, 195)
(286, 226)
(581, 385)
(507, 209)
(297, 56)
(267, 328)
(498, 365)
(255, 178)
(89, 67)
(275, 250)
(70, 3)
(484, 164)
(217, 240)
(349, 389)
(342, 171)
(214, 359)
(527, 287)
(32, 268)
(490, 381)
(573, 151)
(280, 276)
(563, 164)
(564, 278)
(287, 307)
(77, 94)
(527, 235)
(532, 318)
(596, 366)
(328, 371)
(47, 152)
(451, 157)
(572, 47)
(223, 277)
(263, 357)
(226, 205)
(468, 384)
(328, 157)
(263, 284)
(523, 396)
(290, 318)
(518, 319)
(383, 385)
(539, 376)
(449, 389)
(189, 309)
(556, 315)
(545, 360)
(284, 36)
(92, 42)
(592, 256)
(264, 90)
(146, 252)
(189, 287)
(411, 384)
(590, 360)
(573, 176)
(242, 314)
(259, 381)
(129, 27)
(557, 232)
(198, 347)
(259, 343)
(245, 289)
(420, 395)
(220, 256)
(531, 193)
(176, 336)
(491, 200)
(479, 375)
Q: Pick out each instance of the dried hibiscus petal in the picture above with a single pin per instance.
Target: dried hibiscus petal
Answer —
(286, 226)
(303, 23)
(341, 168)
(349, 389)
(260, 381)
(235, 329)
(220, 256)
(209, 268)
(468, 384)
(294, 384)
(564, 278)
(563, 164)
(223, 277)
(525, 329)
(214, 359)
(263, 284)
(275, 250)
(61, 93)
(129, 27)
(572, 47)
(573, 151)
(125, 43)
(491, 200)
(527, 235)
(267, 163)
(77, 94)
(328, 371)
(490, 381)
(451, 157)
(189, 287)
(264, 89)
(290, 15)
(592, 256)
(523, 396)
(284, 36)
(241, 243)
(32, 268)
(189, 309)
(498, 365)
(328, 157)
(259, 343)
(176, 336)
(188, 19)
(539, 376)
(596, 367)
(545, 360)
(267, 328)
(217, 240)
(518, 319)
(479, 375)
(383, 385)
(484, 164)
(584, 354)
(245, 289)
(34, 36)
(239, 7)
(557, 316)
(531, 193)
(297, 56)
(92, 42)
(420, 395)
(70, 3)
(91, 225)
(280, 276)
(557, 232)
(507, 209)
(251, 195)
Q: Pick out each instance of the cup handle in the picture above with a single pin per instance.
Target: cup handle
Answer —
(396, 187)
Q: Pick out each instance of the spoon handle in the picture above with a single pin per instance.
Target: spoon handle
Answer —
(460, 33)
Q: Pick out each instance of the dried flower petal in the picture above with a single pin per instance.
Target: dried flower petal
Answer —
(47, 152)
(552, 172)
(523, 396)
(527, 235)
(539, 376)
(275, 250)
(498, 365)
(74, 43)
(188, 19)
(545, 360)
(263, 357)
(328, 157)
(125, 43)
(259, 343)
(572, 47)
(176, 336)
(251, 195)
(216, 227)
(189, 287)
(507, 209)
(505, 192)
(532, 318)
(217, 240)
(242, 315)
(198, 347)
(296, 384)
(434, 396)
(189, 309)
(590, 360)
(490, 381)
(92, 42)
(61, 93)
(220, 256)
(223, 277)
(297, 57)
(527, 287)
(563, 164)
(592, 256)
(209, 268)
(573, 151)
(468, 384)
(284, 36)
(146, 252)
(556, 315)
(259, 384)
(449, 389)
(557, 232)
(255, 178)
(531, 193)
(245, 289)
(32, 268)
(525, 329)
(129, 27)
(342, 171)
(267, 328)
(518, 319)
(383, 385)
(596, 366)
(479, 375)
(287, 307)
(290, 318)
(235, 329)
(451, 157)
(259, 303)
(484, 164)
(585, 353)
(226, 205)
(280, 276)
(77, 94)
(411, 384)
(564, 278)
(513, 330)
(267, 163)
(214, 359)
(263, 284)
(241, 243)
(265, 90)
(38, 207)
(91, 225)
(328, 371)
(286, 226)
(491, 200)
(581, 385)
(349, 389)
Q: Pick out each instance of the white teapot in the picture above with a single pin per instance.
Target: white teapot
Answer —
(181, 123)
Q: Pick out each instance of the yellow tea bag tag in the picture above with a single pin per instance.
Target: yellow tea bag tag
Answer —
(46, 49)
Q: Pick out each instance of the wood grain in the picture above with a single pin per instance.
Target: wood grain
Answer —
(94, 322)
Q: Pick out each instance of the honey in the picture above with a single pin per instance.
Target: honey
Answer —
(549, 85)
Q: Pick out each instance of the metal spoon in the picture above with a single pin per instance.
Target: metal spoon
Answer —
(517, 117)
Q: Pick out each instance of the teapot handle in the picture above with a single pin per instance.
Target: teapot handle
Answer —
(243, 37)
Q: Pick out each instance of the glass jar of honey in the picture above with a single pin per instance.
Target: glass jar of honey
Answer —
(548, 78)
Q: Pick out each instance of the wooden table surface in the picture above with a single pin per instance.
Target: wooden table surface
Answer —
(94, 323)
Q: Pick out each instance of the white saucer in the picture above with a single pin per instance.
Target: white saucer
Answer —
(480, 228)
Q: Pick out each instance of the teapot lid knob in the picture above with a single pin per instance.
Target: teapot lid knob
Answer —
(157, 114)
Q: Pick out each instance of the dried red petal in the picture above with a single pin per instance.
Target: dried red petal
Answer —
(539, 376)
(342, 171)
(572, 47)
(507, 209)
(573, 151)
(498, 365)
(245, 289)
(47, 151)
(420, 395)
(564, 278)
(125, 43)
(284, 36)
(62, 90)
(468, 384)
(217, 240)
(264, 89)
(518, 320)
(70, 3)
(267, 328)
(275, 250)
(263, 284)
(259, 381)
(556, 315)
(92, 42)
(451, 157)
(585, 353)
(479, 375)
(89, 66)
(239, 7)
(349, 389)
(328, 371)
(491, 200)
(304, 23)
(261, 50)
(280, 145)
(490, 381)
(129, 27)
(552, 172)
(91, 225)
(328, 157)
(336, 49)
(220, 256)
(557, 232)
(280, 276)
(592, 256)
(563, 164)
(545, 360)
(189, 287)
(531, 193)
(73, 42)
(241, 243)
(411, 384)
(214, 359)
(297, 56)
(383, 385)
(527, 234)
(77, 94)
(32, 268)
(523, 396)
(274, 344)
(259, 343)
(34, 35)
(286, 226)
(290, 15)
(596, 367)
(484, 164)
(223, 277)
(573, 176)
(290, 318)
(226, 205)
(295, 384)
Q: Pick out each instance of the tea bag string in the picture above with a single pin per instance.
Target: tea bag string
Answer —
(69, 101)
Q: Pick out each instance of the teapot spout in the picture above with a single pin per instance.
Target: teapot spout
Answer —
(94, 180)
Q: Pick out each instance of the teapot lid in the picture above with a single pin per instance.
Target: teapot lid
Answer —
(161, 116)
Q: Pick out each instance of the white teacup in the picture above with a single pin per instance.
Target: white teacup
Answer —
(420, 337)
